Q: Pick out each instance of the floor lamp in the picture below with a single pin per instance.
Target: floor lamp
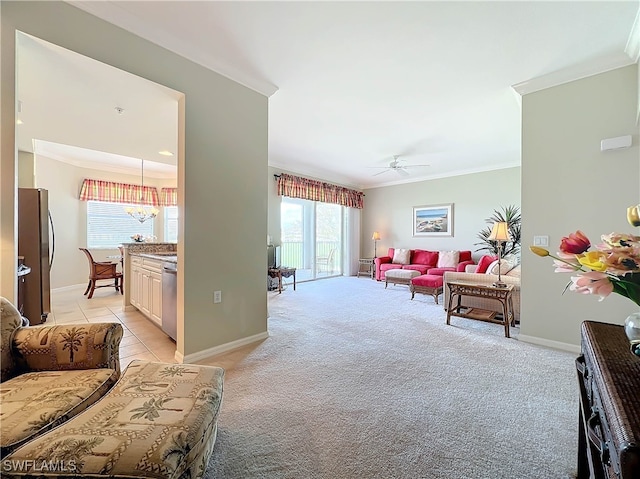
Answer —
(375, 238)
(500, 233)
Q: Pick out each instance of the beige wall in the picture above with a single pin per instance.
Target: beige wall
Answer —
(26, 170)
(389, 210)
(569, 184)
(221, 171)
(63, 182)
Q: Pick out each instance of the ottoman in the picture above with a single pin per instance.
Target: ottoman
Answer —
(399, 276)
(158, 421)
(427, 284)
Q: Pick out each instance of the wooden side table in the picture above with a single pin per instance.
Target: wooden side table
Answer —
(365, 267)
(282, 272)
(458, 289)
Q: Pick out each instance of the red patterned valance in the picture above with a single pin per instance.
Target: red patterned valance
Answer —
(298, 187)
(169, 197)
(99, 190)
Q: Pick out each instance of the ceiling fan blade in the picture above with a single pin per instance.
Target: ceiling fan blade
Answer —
(411, 166)
(383, 171)
(402, 171)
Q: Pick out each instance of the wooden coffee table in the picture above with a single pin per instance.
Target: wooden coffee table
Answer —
(503, 295)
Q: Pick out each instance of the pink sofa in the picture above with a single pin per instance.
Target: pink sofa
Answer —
(426, 262)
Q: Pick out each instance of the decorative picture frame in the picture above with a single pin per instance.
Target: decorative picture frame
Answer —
(433, 220)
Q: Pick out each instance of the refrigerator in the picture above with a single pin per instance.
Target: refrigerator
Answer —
(33, 245)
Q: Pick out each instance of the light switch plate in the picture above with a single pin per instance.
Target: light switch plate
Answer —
(541, 241)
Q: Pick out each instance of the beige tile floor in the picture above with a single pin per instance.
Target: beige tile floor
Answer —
(142, 339)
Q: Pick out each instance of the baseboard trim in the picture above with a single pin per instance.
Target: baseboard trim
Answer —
(223, 348)
(572, 348)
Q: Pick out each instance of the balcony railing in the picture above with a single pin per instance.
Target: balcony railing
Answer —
(292, 254)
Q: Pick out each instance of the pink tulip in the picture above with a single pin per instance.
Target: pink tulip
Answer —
(592, 282)
(566, 263)
(575, 243)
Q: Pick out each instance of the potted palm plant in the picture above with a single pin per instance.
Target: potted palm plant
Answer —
(510, 215)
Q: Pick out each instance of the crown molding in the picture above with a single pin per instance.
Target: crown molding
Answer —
(633, 43)
(113, 13)
(576, 72)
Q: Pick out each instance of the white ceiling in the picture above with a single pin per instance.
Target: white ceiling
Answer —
(353, 83)
(67, 106)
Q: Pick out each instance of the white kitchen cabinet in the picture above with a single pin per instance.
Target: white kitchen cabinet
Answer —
(135, 291)
(155, 300)
(146, 287)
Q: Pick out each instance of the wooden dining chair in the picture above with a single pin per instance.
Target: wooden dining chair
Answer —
(102, 271)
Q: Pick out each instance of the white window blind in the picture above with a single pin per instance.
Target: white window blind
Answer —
(109, 225)
(171, 224)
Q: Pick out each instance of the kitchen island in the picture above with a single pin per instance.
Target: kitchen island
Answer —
(143, 265)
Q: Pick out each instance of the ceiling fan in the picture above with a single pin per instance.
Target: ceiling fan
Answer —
(398, 166)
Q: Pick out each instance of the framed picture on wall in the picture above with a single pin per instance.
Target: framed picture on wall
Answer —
(433, 220)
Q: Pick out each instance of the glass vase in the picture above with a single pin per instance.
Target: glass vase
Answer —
(632, 330)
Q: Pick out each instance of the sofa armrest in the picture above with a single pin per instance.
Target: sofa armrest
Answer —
(382, 259)
(461, 268)
(69, 346)
(378, 261)
(480, 278)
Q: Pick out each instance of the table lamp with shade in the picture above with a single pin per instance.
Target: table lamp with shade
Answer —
(375, 238)
(500, 233)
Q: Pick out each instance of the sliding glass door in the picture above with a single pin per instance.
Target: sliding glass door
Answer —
(312, 238)
(328, 238)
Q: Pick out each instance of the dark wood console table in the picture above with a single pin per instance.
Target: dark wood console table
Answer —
(282, 272)
(609, 426)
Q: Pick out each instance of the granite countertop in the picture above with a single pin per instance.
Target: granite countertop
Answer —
(167, 256)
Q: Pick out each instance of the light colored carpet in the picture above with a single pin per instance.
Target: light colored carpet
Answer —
(358, 381)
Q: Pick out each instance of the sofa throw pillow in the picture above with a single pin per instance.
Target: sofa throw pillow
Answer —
(506, 265)
(514, 272)
(484, 263)
(401, 256)
(465, 256)
(429, 258)
(448, 259)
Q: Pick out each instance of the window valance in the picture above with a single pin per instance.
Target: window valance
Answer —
(304, 188)
(169, 197)
(99, 190)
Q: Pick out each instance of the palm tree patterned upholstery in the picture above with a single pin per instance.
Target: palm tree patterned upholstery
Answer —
(51, 373)
(158, 421)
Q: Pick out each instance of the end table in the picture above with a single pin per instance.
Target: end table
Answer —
(282, 272)
(366, 267)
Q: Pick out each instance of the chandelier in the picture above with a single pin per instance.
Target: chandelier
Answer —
(140, 212)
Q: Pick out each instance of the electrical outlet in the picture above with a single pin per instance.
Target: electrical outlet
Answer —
(217, 296)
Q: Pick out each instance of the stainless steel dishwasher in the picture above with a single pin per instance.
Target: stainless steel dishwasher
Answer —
(170, 299)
